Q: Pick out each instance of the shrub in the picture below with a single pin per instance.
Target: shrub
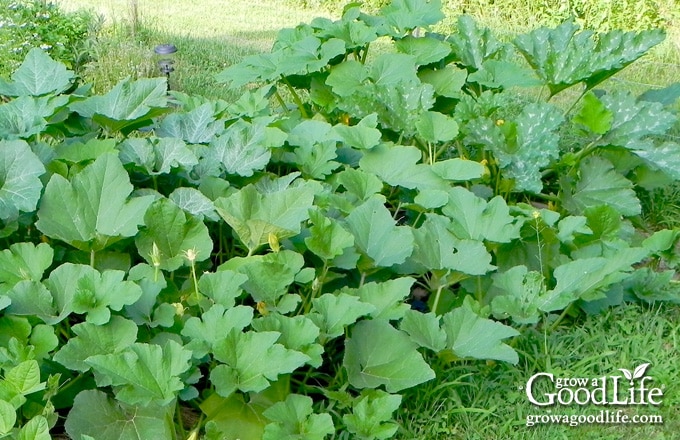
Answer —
(25, 24)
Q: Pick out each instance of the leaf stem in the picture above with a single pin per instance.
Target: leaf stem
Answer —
(560, 318)
(178, 415)
(92, 257)
(365, 54)
(583, 93)
(437, 297)
(296, 97)
(281, 101)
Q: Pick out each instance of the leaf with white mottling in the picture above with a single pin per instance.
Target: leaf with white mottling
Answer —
(194, 202)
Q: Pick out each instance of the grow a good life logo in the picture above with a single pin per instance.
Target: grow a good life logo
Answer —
(605, 390)
(630, 388)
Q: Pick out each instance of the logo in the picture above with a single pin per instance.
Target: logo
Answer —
(633, 388)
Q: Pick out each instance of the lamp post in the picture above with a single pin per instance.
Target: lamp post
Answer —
(166, 59)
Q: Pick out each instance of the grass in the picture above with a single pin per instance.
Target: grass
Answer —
(207, 42)
(210, 37)
(484, 400)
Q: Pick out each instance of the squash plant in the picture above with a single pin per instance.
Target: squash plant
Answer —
(252, 269)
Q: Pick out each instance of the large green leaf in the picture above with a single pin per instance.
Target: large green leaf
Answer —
(195, 203)
(8, 417)
(250, 361)
(601, 184)
(370, 365)
(633, 120)
(243, 148)
(171, 237)
(405, 15)
(474, 218)
(295, 418)
(53, 301)
(270, 276)
(563, 57)
(469, 335)
(426, 50)
(446, 82)
(38, 75)
(128, 105)
(424, 329)
(665, 157)
(28, 116)
(255, 216)
(197, 126)
(222, 287)
(523, 147)
(328, 238)
(376, 234)
(371, 416)
(535, 146)
(594, 115)
(298, 333)
(301, 54)
(24, 261)
(91, 339)
(355, 34)
(587, 278)
(436, 127)
(98, 293)
(157, 155)
(35, 429)
(389, 87)
(95, 415)
(92, 210)
(436, 248)
(333, 313)
(387, 297)
(519, 295)
(74, 288)
(143, 374)
(204, 332)
(363, 135)
(398, 166)
(472, 45)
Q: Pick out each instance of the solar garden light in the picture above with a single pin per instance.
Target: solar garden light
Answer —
(165, 54)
